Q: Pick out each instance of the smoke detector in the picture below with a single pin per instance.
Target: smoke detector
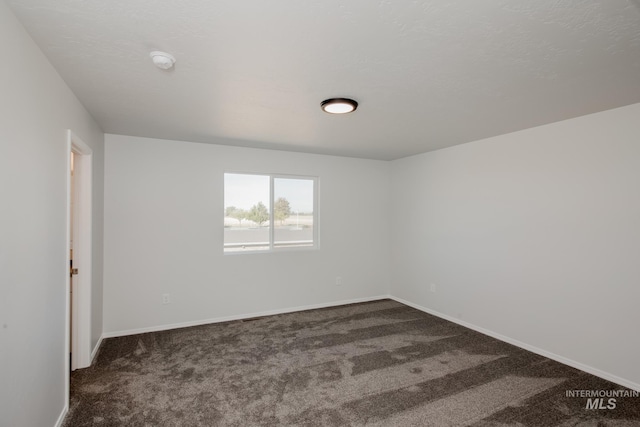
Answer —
(162, 60)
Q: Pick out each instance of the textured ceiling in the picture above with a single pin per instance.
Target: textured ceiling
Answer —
(427, 74)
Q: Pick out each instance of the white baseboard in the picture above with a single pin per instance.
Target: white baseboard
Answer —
(63, 414)
(94, 352)
(589, 369)
(239, 317)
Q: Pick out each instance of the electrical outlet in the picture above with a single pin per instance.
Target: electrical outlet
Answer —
(433, 288)
(338, 281)
(166, 298)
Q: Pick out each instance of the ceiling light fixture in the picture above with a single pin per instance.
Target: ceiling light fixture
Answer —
(338, 105)
(162, 60)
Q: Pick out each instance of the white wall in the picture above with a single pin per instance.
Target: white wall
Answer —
(163, 234)
(534, 235)
(36, 109)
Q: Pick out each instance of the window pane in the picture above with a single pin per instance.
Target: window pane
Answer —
(293, 212)
(246, 212)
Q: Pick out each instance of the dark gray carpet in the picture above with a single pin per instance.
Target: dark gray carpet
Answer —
(379, 363)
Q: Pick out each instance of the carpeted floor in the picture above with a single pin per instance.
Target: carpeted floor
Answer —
(380, 363)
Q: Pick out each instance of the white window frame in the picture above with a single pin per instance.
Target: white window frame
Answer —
(272, 248)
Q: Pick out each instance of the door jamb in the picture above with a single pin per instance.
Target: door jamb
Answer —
(83, 163)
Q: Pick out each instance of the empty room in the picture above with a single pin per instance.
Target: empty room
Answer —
(286, 213)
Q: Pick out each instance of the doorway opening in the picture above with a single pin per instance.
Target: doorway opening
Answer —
(79, 233)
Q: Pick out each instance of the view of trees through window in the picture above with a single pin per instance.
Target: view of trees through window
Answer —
(248, 223)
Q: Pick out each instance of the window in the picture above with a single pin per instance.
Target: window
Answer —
(269, 212)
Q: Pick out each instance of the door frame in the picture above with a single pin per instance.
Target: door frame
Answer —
(80, 336)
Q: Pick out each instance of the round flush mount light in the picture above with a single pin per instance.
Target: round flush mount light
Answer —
(162, 60)
(338, 105)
